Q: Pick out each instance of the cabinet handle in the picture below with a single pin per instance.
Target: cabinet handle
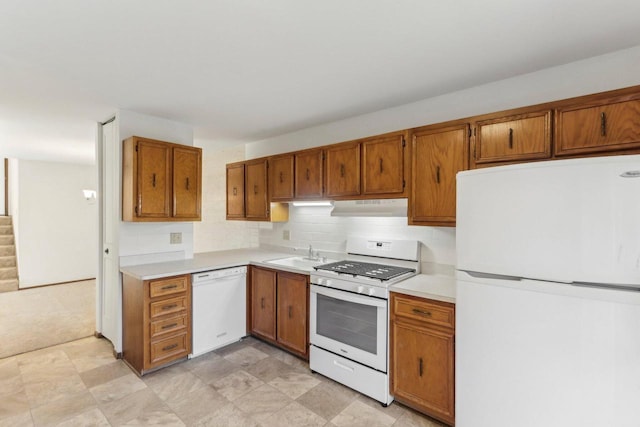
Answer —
(187, 184)
(510, 138)
(307, 174)
(262, 302)
(153, 180)
(603, 124)
(281, 179)
(169, 307)
(255, 189)
(173, 325)
(235, 191)
(438, 174)
(341, 170)
(169, 347)
(420, 366)
(290, 312)
(164, 288)
(422, 312)
(381, 168)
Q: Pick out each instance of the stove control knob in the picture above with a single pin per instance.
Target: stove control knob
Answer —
(360, 289)
(372, 291)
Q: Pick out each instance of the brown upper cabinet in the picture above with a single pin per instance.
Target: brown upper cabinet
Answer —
(256, 195)
(599, 126)
(383, 160)
(308, 174)
(160, 181)
(342, 163)
(235, 191)
(513, 138)
(281, 170)
(438, 154)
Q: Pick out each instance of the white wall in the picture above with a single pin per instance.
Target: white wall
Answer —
(1, 186)
(214, 232)
(607, 72)
(58, 227)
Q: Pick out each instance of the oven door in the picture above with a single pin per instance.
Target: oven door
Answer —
(351, 325)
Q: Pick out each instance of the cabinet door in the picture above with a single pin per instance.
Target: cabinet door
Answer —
(235, 191)
(256, 196)
(342, 164)
(514, 138)
(263, 299)
(281, 178)
(187, 165)
(292, 312)
(438, 154)
(308, 175)
(598, 128)
(383, 165)
(423, 369)
(154, 185)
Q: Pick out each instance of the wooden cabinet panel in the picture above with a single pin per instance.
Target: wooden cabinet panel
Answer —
(235, 191)
(383, 165)
(438, 154)
(308, 175)
(167, 306)
(342, 163)
(163, 287)
(606, 126)
(422, 356)
(263, 300)
(168, 326)
(154, 171)
(281, 170)
(514, 138)
(166, 349)
(187, 173)
(292, 311)
(256, 196)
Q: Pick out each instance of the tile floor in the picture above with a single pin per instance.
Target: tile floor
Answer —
(40, 317)
(249, 383)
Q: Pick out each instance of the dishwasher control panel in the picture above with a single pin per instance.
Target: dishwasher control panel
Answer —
(217, 274)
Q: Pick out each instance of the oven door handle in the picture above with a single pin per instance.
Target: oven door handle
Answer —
(348, 296)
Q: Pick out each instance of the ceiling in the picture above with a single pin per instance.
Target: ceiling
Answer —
(246, 70)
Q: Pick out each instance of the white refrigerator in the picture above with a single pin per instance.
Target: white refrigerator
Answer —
(548, 294)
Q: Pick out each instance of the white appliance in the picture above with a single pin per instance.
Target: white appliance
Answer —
(548, 294)
(349, 312)
(219, 308)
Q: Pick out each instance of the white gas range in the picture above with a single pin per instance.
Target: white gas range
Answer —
(349, 313)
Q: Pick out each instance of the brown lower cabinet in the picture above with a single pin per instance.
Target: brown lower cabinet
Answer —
(422, 355)
(156, 318)
(279, 309)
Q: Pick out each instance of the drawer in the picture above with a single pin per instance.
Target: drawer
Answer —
(424, 311)
(172, 285)
(167, 306)
(168, 348)
(168, 326)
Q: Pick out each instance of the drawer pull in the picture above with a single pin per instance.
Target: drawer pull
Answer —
(262, 302)
(422, 312)
(510, 138)
(603, 124)
(341, 366)
(420, 366)
(290, 311)
(169, 307)
(169, 347)
(381, 168)
(173, 325)
(166, 288)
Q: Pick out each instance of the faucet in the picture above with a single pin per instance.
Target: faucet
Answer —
(310, 256)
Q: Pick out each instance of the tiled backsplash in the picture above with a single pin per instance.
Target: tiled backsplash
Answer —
(315, 226)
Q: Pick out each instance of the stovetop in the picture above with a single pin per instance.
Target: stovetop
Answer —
(381, 272)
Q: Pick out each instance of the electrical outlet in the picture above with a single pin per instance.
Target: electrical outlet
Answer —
(286, 235)
(175, 238)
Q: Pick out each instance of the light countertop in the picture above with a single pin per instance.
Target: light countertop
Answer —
(430, 286)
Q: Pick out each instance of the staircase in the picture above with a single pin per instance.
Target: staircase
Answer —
(8, 267)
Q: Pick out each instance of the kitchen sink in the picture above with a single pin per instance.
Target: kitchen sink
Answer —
(300, 262)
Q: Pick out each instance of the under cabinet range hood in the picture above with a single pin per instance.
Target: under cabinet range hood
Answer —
(371, 208)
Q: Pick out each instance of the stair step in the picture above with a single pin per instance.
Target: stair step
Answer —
(7, 261)
(6, 240)
(5, 220)
(8, 273)
(7, 250)
(6, 230)
(8, 285)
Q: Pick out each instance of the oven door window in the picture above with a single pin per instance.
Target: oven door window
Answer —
(348, 322)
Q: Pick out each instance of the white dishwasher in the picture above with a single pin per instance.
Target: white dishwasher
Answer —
(219, 308)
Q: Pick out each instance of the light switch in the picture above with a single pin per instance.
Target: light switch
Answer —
(175, 238)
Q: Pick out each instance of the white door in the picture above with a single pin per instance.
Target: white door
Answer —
(109, 292)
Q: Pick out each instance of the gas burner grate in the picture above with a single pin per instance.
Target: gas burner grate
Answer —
(366, 269)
